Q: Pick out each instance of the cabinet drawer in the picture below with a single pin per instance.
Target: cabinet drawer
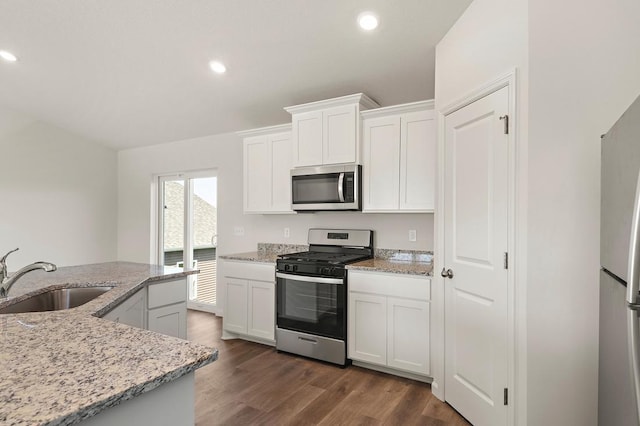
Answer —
(250, 271)
(395, 285)
(167, 293)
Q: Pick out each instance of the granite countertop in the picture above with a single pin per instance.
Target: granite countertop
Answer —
(266, 252)
(61, 367)
(397, 262)
(409, 262)
(252, 256)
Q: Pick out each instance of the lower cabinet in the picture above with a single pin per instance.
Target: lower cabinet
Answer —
(132, 311)
(389, 320)
(167, 308)
(250, 301)
(170, 320)
(160, 307)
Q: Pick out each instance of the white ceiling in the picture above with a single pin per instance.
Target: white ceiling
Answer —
(135, 72)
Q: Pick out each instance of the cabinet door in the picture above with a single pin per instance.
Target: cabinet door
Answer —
(408, 335)
(280, 153)
(167, 293)
(257, 174)
(261, 312)
(339, 136)
(367, 325)
(417, 161)
(170, 320)
(235, 308)
(307, 138)
(131, 311)
(381, 163)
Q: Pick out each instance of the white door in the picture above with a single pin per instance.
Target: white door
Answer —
(475, 217)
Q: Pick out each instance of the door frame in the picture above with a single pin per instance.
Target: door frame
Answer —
(516, 326)
(156, 223)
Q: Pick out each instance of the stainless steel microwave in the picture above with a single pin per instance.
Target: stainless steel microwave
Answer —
(326, 188)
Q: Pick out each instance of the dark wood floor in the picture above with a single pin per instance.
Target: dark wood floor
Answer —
(254, 384)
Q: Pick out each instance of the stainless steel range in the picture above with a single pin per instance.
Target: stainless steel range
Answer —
(311, 293)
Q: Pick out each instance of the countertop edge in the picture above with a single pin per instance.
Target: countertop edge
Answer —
(97, 308)
(133, 392)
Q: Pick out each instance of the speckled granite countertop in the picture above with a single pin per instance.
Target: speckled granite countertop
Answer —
(58, 368)
(410, 262)
(266, 253)
(252, 256)
(397, 262)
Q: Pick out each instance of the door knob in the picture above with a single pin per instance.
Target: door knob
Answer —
(446, 274)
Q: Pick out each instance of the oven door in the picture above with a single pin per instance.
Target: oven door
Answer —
(313, 305)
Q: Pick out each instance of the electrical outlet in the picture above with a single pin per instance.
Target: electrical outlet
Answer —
(238, 231)
(287, 232)
(412, 235)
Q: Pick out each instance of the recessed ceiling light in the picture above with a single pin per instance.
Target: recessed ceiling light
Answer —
(8, 56)
(367, 21)
(217, 67)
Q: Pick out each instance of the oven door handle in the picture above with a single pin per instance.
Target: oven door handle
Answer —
(304, 278)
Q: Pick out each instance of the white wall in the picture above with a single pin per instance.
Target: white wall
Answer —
(58, 197)
(488, 41)
(136, 168)
(579, 68)
(584, 72)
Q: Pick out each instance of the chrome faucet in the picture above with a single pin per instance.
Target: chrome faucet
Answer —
(7, 281)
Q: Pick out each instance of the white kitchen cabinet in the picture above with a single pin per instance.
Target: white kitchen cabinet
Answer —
(170, 320)
(327, 132)
(408, 335)
(250, 302)
(266, 170)
(368, 328)
(389, 321)
(160, 306)
(132, 311)
(399, 158)
(235, 310)
(261, 309)
(167, 308)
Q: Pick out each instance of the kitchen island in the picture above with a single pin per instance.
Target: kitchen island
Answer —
(64, 367)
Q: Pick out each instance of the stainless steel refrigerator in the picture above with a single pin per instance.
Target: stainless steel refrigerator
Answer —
(619, 371)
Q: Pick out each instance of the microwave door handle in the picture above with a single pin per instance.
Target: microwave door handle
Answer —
(341, 187)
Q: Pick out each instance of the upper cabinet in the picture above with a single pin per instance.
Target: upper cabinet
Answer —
(399, 158)
(328, 132)
(266, 167)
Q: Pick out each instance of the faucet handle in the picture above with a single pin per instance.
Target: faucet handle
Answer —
(3, 260)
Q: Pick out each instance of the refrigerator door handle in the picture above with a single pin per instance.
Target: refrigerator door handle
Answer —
(633, 337)
(634, 250)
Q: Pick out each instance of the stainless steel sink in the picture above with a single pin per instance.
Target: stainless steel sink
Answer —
(55, 300)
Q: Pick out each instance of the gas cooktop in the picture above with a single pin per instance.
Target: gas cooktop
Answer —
(319, 256)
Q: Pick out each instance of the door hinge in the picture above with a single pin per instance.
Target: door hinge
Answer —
(505, 122)
(506, 396)
(506, 260)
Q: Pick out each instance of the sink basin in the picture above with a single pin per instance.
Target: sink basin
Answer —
(55, 300)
